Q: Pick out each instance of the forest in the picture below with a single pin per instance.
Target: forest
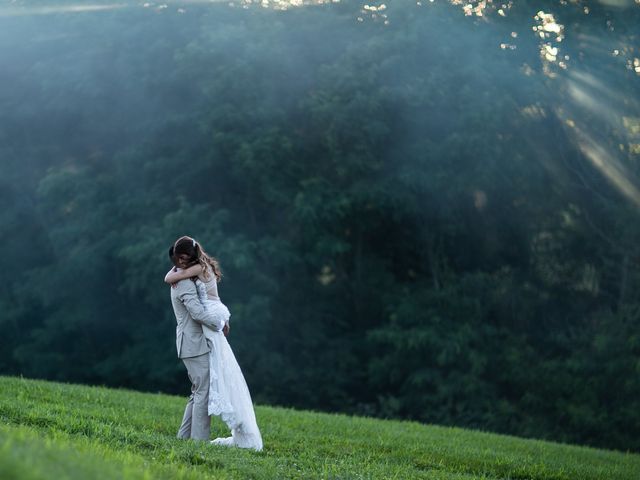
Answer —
(423, 210)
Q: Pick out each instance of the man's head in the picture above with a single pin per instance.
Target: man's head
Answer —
(184, 252)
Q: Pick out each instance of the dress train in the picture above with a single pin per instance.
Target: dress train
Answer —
(229, 395)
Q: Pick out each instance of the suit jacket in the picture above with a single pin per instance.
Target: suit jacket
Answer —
(190, 316)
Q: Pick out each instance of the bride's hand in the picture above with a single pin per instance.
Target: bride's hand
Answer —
(225, 329)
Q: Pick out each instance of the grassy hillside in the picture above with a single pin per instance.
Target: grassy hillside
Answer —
(52, 430)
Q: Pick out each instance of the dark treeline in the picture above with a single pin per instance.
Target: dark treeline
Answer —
(413, 222)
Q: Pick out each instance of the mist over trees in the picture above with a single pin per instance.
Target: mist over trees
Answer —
(419, 213)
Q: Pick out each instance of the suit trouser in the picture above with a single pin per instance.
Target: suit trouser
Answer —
(196, 423)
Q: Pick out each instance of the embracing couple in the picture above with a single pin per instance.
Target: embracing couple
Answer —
(217, 384)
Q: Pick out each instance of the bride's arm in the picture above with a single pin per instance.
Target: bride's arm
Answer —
(173, 270)
(176, 274)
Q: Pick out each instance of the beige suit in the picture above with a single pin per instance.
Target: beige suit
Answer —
(193, 349)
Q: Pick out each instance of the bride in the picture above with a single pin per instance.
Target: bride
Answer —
(228, 393)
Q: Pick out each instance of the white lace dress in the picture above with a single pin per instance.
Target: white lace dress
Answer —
(229, 395)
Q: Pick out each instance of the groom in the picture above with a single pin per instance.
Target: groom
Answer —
(193, 349)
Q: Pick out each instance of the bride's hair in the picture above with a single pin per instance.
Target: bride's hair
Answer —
(188, 246)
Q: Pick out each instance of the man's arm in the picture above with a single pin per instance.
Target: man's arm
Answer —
(189, 296)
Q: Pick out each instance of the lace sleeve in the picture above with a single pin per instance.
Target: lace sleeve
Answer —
(202, 293)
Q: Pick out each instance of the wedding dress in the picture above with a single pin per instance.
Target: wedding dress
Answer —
(229, 395)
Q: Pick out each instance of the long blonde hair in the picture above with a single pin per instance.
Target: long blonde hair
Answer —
(188, 245)
(205, 260)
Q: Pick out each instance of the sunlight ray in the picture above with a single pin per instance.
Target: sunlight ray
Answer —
(582, 80)
(56, 9)
(583, 98)
(613, 170)
(283, 4)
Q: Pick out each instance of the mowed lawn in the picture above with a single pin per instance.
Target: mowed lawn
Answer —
(57, 431)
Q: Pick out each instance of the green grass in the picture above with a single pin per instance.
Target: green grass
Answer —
(57, 431)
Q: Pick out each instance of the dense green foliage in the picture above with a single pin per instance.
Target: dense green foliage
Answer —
(78, 432)
(413, 222)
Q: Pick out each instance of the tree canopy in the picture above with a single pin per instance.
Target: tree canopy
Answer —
(422, 211)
